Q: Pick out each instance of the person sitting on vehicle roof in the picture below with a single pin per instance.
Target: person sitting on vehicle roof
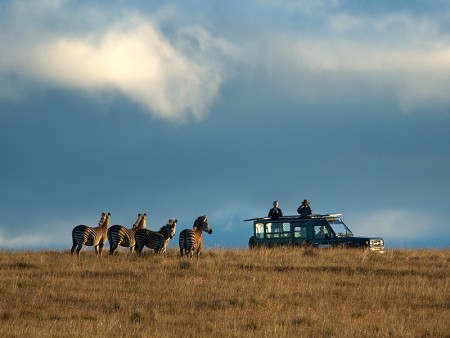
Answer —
(275, 212)
(304, 209)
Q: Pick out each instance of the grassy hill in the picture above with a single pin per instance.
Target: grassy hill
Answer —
(227, 293)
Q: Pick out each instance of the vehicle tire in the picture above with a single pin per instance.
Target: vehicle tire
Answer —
(251, 242)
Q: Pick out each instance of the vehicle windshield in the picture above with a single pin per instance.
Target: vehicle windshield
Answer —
(339, 228)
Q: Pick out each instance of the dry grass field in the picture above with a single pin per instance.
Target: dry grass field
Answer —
(281, 292)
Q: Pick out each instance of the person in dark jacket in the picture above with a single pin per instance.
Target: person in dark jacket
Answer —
(275, 212)
(304, 209)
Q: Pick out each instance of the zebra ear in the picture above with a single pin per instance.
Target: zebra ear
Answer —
(195, 228)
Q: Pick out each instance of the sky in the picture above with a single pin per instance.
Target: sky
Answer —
(187, 108)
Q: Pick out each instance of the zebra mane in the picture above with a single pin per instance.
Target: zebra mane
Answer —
(164, 228)
(137, 221)
(198, 224)
(102, 219)
(166, 231)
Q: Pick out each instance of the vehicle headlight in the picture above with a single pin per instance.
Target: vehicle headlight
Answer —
(376, 242)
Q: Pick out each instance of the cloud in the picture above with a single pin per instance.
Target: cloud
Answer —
(402, 54)
(175, 68)
(171, 79)
(53, 232)
(401, 226)
(26, 240)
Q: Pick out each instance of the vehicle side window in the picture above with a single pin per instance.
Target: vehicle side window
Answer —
(286, 229)
(269, 228)
(259, 230)
(272, 230)
(300, 231)
(321, 232)
(278, 230)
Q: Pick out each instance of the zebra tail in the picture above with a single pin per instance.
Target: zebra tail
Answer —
(74, 240)
(109, 238)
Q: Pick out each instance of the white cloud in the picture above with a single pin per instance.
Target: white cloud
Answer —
(172, 79)
(320, 47)
(398, 53)
(49, 234)
(26, 240)
(400, 225)
(138, 62)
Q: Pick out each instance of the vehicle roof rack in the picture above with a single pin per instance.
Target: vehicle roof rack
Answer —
(329, 215)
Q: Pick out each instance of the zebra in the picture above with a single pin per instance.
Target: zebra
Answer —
(191, 240)
(86, 235)
(119, 235)
(158, 240)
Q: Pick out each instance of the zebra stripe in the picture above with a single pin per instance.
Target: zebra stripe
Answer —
(158, 240)
(86, 235)
(119, 235)
(191, 240)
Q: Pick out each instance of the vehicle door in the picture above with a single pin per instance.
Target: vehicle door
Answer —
(323, 236)
(299, 232)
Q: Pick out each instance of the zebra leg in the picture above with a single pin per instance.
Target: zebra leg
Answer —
(113, 248)
(100, 248)
(184, 249)
(160, 248)
(79, 249)
(181, 244)
(74, 244)
(139, 249)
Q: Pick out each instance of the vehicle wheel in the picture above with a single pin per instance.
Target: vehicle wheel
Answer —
(251, 242)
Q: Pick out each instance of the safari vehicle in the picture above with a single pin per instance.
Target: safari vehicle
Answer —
(322, 231)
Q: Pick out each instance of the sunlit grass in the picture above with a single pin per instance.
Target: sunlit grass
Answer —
(268, 292)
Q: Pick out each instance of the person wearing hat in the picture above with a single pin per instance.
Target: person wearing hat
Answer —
(304, 209)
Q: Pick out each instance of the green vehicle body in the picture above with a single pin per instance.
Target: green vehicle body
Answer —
(322, 231)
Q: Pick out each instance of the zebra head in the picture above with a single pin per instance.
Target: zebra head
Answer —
(172, 226)
(104, 221)
(141, 221)
(202, 223)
